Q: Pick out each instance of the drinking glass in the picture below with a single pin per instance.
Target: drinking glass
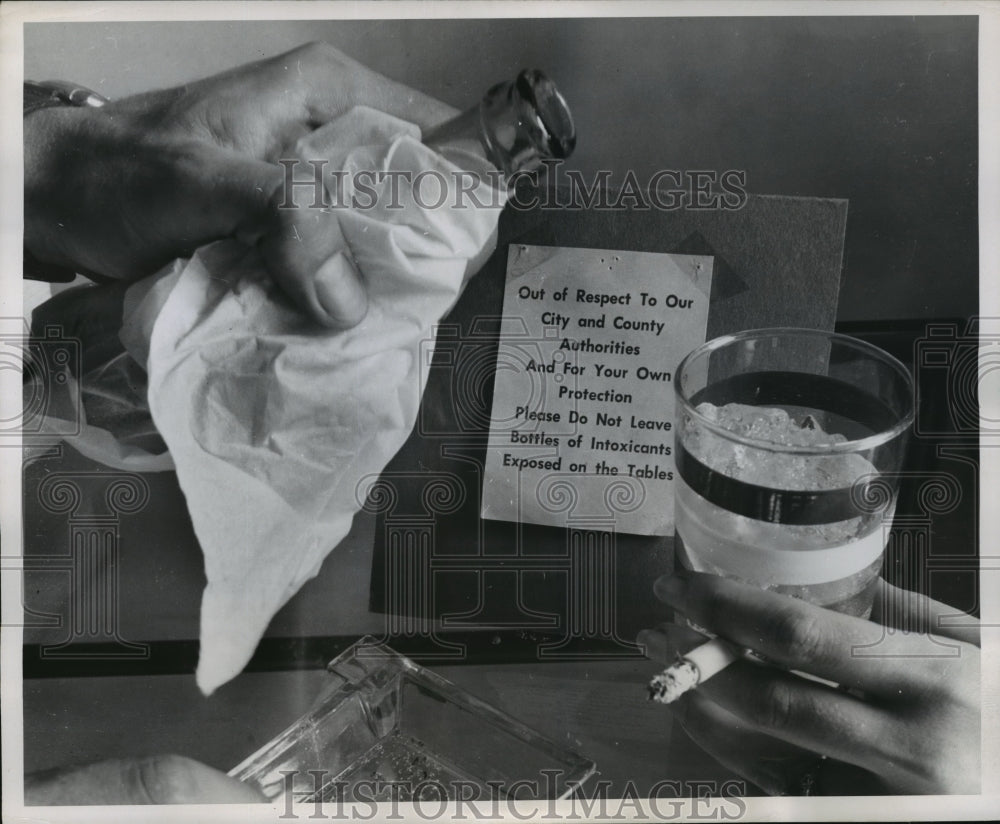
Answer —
(789, 445)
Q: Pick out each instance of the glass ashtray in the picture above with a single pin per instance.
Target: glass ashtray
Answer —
(405, 733)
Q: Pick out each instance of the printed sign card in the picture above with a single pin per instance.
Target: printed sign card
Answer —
(581, 430)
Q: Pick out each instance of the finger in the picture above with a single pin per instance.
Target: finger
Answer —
(801, 636)
(132, 200)
(168, 199)
(225, 194)
(913, 612)
(667, 641)
(772, 764)
(809, 715)
(200, 192)
(166, 779)
(332, 83)
(174, 779)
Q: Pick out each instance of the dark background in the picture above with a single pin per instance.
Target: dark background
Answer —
(881, 111)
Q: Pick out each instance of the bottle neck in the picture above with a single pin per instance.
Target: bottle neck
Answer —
(515, 127)
(463, 134)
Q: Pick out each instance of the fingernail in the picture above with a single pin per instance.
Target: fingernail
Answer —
(670, 589)
(339, 290)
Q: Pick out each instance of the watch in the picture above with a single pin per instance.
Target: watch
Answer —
(43, 96)
(58, 93)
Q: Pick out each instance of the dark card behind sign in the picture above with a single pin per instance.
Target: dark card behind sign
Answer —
(777, 263)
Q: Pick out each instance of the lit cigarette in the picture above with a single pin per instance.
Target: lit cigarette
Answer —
(691, 670)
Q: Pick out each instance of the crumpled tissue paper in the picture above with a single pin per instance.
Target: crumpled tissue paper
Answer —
(274, 424)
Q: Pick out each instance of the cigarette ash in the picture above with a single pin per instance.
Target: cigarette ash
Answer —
(669, 685)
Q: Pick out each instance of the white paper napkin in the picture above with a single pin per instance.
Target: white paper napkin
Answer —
(273, 423)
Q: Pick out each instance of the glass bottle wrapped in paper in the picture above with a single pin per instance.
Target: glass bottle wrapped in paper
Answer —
(276, 426)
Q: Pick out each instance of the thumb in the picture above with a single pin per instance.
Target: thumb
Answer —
(232, 195)
(308, 256)
(161, 779)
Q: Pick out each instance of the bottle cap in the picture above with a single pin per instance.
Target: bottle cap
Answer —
(526, 122)
(553, 114)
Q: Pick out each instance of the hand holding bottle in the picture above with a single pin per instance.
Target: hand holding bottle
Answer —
(124, 189)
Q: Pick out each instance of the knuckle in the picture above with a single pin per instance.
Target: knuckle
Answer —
(774, 706)
(953, 681)
(799, 636)
(319, 53)
(166, 779)
(135, 777)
